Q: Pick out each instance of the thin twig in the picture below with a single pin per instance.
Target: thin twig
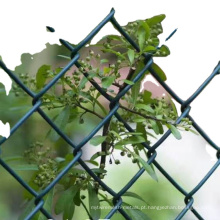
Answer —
(143, 115)
(87, 211)
(90, 111)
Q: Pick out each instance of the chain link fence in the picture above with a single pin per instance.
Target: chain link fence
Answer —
(114, 106)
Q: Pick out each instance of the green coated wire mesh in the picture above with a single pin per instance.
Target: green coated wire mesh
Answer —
(114, 106)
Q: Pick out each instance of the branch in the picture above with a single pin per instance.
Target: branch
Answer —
(143, 115)
(106, 126)
(90, 111)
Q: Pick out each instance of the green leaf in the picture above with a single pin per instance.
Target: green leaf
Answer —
(107, 81)
(174, 131)
(128, 82)
(134, 195)
(100, 106)
(148, 168)
(65, 57)
(61, 122)
(135, 90)
(139, 119)
(48, 201)
(59, 159)
(193, 131)
(82, 83)
(159, 71)
(141, 37)
(92, 75)
(12, 158)
(96, 155)
(77, 199)
(155, 20)
(73, 114)
(68, 211)
(137, 214)
(134, 213)
(165, 49)
(97, 140)
(65, 203)
(146, 27)
(149, 49)
(172, 104)
(25, 167)
(131, 140)
(131, 56)
(106, 70)
(19, 108)
(155, 126)
(155, 41)
(147, 97)
(29, 207)
(160, 126)
(41, 76)
(144, 107)
(93, 202)
(26, 194)
(113, 37)
(132, 133)
(92, 162)
(98, 170)
(114, 52)
(140, 127)
(116, 134)
(104, 61)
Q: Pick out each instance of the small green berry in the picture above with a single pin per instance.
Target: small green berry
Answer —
(101, 176)
(118, 61)
(112, 66)
(41, 168)
(134, 160)
(83, 197)
(81, 120)
(117, 162)
(122, 153)
(108, 46)
(91, 52)
(39, 153)
(88, 58)
(42, 177)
